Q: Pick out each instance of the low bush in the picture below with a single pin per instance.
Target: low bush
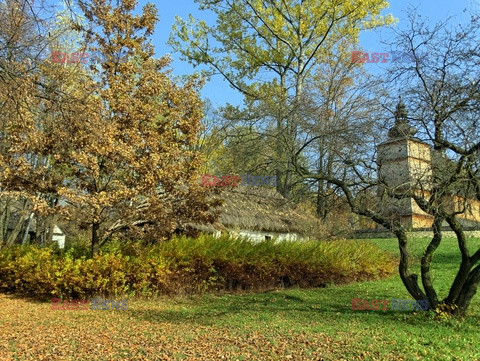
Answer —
(187, 265)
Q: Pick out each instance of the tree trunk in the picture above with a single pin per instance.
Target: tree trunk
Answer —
(27, 228)
(409, 280)
(12, 237)
(280, 146)
(469, 290)
(322, 210)
(3, 222)
(95, 227)
(6, 221)
(465, 266)
(426, 262)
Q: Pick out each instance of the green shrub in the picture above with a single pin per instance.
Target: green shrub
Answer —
(187, 265)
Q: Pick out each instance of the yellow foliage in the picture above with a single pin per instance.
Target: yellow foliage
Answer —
(115, 142)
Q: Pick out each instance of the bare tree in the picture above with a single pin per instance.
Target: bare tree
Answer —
(441, 93)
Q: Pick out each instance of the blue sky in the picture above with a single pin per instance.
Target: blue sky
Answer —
(219, 92)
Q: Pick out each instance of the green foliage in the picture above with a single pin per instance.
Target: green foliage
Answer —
(282, 40)
(269, 51)
(189, 266)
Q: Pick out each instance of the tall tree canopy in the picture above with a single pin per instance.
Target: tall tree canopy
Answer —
(267, 49)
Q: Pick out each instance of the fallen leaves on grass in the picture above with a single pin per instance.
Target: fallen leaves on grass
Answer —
(33, 331)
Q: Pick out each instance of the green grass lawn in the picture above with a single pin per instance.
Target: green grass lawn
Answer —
(315, 324)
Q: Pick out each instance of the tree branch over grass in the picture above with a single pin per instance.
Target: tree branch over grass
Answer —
(443, 99)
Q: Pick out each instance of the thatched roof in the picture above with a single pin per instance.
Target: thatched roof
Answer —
(259, 209)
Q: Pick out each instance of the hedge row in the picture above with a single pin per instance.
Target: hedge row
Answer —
(186, 265)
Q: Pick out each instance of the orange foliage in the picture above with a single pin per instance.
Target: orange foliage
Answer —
(114, 143)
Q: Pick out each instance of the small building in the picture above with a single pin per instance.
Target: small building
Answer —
(24, 230)
(259, 213)
(58, 236)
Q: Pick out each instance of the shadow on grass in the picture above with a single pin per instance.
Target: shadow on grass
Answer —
(288, 306)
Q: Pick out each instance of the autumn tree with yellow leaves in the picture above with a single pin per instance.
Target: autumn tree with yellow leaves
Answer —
(119, 137)
(25, 179)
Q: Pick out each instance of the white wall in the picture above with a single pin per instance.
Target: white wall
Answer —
(58, 236)
(257, 236)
